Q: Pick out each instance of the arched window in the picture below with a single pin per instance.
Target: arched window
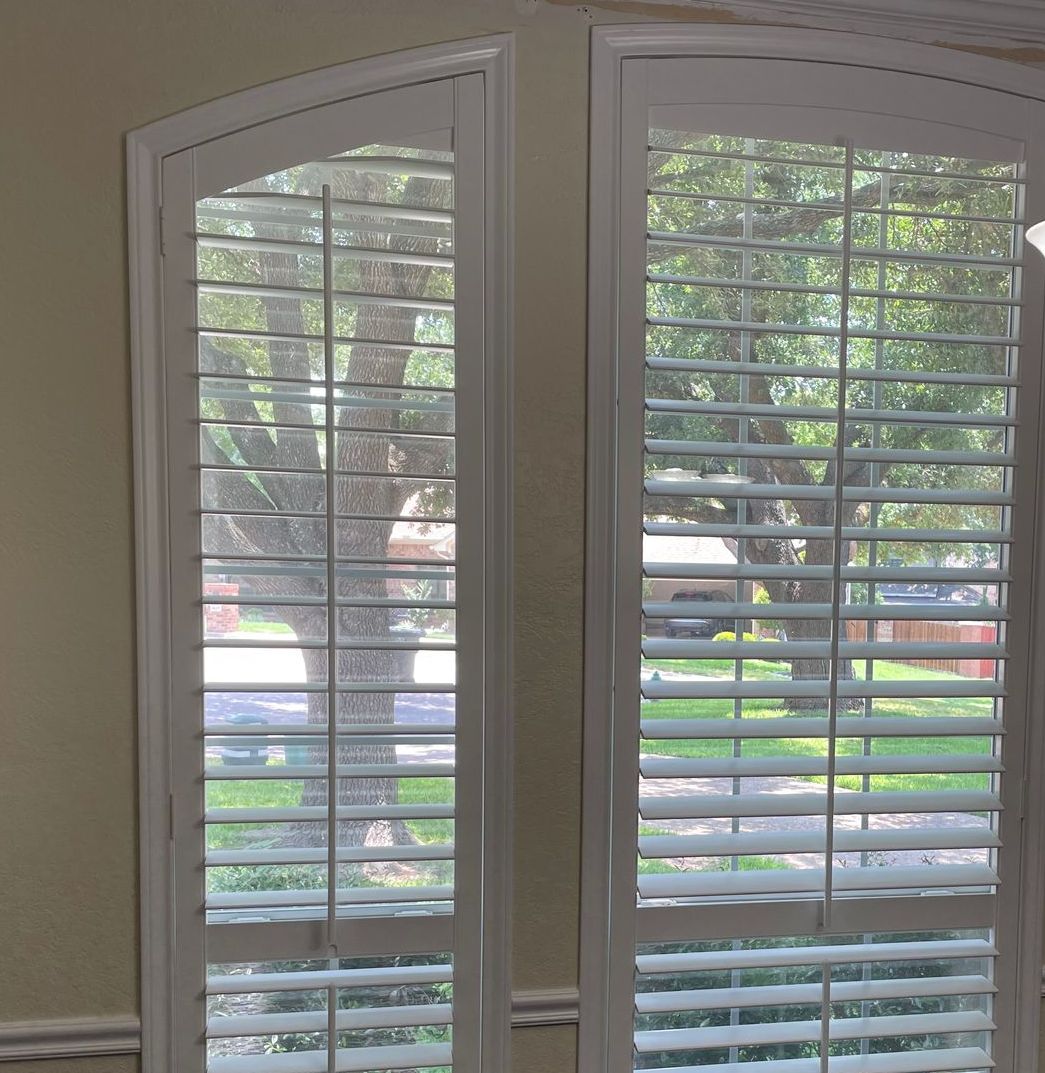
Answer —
(815, 390)
(323, 530)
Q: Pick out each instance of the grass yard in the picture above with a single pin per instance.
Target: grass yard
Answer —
(275, 793)
(888, 707)
(264, 626)
(287, 793)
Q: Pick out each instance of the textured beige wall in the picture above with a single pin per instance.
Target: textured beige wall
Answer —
(85, 74)
(78, 76)
(98, 1064)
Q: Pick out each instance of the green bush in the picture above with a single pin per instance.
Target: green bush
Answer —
(762, 597)
(729, 636)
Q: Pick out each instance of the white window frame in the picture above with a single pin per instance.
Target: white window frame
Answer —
(608, 931)
(147, 148)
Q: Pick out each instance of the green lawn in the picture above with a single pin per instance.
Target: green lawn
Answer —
(890, 707)
(263, 626)
(287, 793)
(277, 793)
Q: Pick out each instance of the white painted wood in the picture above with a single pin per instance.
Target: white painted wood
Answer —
(22, 1041)
(786, 94)
(545, 1006)
(215, 119)
(597, 828)
(619, 52)
(152, 594)
(612, 44)
(1003, 22)
(281, 143)
(186, 845)
(171, 959)
(1022, 823)
(83, 1037)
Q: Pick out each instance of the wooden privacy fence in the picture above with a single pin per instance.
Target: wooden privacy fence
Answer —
(954, 632)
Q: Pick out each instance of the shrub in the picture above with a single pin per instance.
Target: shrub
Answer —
(729, 635)
(762, 597)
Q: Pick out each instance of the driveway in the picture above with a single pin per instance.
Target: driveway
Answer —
(286, 666)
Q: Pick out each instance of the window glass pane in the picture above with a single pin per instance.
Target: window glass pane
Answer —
(826, 531)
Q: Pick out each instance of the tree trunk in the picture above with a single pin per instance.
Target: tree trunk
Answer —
(366, 540)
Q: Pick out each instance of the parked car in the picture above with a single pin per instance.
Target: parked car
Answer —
(698, 627)
(898, 593)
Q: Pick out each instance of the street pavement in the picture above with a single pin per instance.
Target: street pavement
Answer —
(286, 666)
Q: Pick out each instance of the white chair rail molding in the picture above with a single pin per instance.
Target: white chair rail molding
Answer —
(84, 1037)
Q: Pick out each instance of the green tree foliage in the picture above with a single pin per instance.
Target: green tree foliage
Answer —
(920, 207)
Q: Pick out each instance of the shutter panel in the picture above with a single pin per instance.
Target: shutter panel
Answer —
(335, 527)
(827, 494)
(334, 444)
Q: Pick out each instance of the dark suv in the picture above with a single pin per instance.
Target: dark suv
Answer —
(698, 627)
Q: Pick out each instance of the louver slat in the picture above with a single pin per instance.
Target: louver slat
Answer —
(853, 612)
(795, 727)
(842, 953)
(757, 843)
(652, 1002)
(749, 766)
(811, 880)
(348, 1020)
(808, 1031)
(382, 976)
(351, 1060)
(271, 899)
(846, 804)
(954, 1060)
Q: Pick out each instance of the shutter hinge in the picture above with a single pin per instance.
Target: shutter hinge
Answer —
(163, 233)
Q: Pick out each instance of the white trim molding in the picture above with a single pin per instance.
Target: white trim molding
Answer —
(1002, 23)
(545, 1006)
(147, 149)
(22, 1041)
(611, 45)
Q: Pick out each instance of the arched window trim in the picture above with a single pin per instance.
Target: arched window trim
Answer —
(147, 148)
(604, 956)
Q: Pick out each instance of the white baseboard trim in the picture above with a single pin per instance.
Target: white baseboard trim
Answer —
(82, 1037)
(546, 1006)
(22, 1041)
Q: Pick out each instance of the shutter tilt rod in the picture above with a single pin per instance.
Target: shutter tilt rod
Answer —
(332, 698)
(331, 579)
(825, 1017)
(836, 583)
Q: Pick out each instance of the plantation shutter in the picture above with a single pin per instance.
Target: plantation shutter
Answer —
(334, 532)
(816, 474)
